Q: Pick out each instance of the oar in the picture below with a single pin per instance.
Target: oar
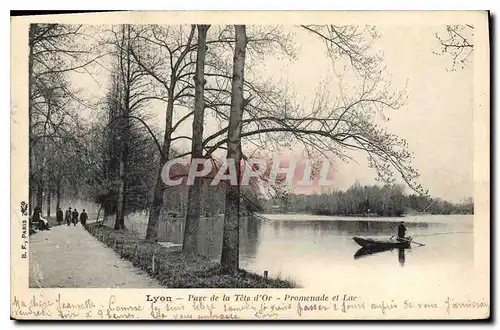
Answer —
(412, 241)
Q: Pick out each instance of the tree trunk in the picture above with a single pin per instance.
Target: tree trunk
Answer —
(124, 133)
(41, 175)
(230, 237)
(105, 215)
(30, 113)
(194, 195)
(98, 212)
(58, 195)
(49, 201)
(39, 195)
(120, 207)
(156, 206)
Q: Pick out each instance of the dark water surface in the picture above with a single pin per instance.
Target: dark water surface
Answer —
(312, 250)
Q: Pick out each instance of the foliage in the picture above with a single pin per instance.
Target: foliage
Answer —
(369, 201)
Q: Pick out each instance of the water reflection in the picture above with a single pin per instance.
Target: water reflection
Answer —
(302, 249)
(323, 227)
(299, 232)
(210, 235)
(401, 257)
(365, 251)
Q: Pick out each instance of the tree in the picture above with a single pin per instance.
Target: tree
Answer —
(230, 237)
(127, 78)
(54, 51)
(171, 78)
(217, 99)
(457, 42)
(194, 202)
(130, 93)
(331, 128)
(55, 127)
(173, 75)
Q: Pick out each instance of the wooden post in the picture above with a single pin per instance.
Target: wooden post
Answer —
(153, 264)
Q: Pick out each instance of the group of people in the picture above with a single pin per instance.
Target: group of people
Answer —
(71, 217)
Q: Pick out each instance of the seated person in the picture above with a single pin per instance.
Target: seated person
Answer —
(43, 224)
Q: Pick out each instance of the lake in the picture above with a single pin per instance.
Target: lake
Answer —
(314, 250)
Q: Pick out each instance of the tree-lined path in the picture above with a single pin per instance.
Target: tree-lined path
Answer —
(70, 257)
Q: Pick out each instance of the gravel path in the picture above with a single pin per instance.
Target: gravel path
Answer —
(69, 257)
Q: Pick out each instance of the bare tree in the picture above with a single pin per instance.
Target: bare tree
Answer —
(260, 41)
(194, 202)
(170, 74)
(54, 50)
(332, 127)
(131, 93)
(458, 43)
(230, 236)
(351, 41)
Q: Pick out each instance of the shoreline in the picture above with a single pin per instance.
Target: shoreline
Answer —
(434, 218)
(173, 269)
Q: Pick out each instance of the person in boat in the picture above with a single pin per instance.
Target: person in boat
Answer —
(75, 217)
(68, 216)
(401, 230)
(83, 217)
(59, 216)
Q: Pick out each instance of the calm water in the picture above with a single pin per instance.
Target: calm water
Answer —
(314, 250)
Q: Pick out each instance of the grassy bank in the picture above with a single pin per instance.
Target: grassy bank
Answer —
(173, 269)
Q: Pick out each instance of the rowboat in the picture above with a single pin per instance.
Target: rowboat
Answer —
(371, 243)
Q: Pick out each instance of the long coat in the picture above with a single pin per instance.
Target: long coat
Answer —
(75, 216)
(83, 218)
(59, 216)
(68, 216)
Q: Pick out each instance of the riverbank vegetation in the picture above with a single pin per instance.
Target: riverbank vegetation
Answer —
(174, 269)
(387, 201)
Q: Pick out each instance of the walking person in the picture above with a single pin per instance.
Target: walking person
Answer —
(75, 217)
(59, 216)
(83, 217)
(68, 216)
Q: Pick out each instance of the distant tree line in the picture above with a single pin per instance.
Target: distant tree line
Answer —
(367, 201)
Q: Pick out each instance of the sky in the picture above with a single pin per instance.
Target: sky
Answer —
(436, 118)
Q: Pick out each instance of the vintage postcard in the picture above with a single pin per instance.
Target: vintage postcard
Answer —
(250, 165)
